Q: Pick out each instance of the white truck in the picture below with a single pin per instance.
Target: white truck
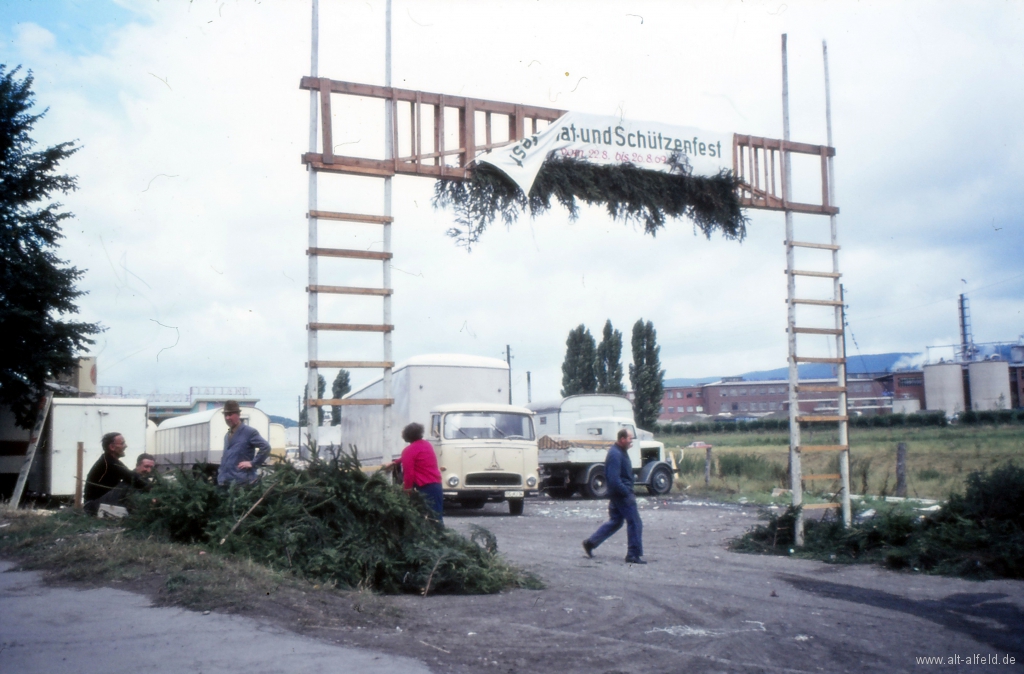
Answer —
(572, 451)
(486, 449)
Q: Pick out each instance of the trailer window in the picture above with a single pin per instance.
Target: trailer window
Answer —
(487, 426)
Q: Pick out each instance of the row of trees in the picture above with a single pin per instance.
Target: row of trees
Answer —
(342, 385)
(597, 368)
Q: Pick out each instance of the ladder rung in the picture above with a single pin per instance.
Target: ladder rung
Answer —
(823, 476)
(817, 331)
(351, 363)
(810, 418)
(351, 217)
(320, 402)
(819, 388)
(350, 327)
(821, 506)
(348, 290)
(806, 244)
(820, 303)
(810, 359)
(345, 252)
(823, 448)
(819, 274)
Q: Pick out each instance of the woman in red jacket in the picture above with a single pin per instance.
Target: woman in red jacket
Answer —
(419, 468)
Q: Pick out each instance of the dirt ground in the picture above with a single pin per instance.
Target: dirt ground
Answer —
(695, 607)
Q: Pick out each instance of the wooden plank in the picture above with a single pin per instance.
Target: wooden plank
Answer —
(340, 402)
(351, 217)
(822, 476)
(814, 359)
(817, 274)
(350, 165)
(807, 244)
(819, 388)
(348, 290)
(822, 448)
(42, 412)
(353, 364)
(350, 327)
(811, 418)
(348, 253)
(784, 145)
(325, 115)
(821, 506)
(818, 303)
(817, 331)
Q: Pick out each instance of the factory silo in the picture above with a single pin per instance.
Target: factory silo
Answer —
(944, 387)
(989, 384)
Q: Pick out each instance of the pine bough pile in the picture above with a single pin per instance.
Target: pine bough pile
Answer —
(627, 192)
(331, 523)
(978, 534)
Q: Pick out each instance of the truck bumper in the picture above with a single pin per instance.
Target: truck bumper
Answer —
(491, 495)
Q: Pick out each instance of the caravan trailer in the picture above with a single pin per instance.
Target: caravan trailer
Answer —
(199, 438)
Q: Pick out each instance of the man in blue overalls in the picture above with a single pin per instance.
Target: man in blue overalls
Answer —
(618, 470)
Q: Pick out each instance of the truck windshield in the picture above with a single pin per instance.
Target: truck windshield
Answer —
(487, 426)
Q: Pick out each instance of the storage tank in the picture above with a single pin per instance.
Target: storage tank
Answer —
(944, 388)
(990, 384)
(199, 437)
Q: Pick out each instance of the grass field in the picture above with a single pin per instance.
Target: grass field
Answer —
(751, 464)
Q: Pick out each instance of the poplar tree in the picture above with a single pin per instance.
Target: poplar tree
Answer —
(646, 375)
(609, 361)
(578, 367)
(36, 287)
(339, 388)
(321, 386)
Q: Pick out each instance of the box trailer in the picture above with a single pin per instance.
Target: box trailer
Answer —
(199, 438)
(559, 417)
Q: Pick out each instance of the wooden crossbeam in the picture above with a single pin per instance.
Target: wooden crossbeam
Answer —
(807, 244)
(348, 253)
(348, 290)
(821, 506)
(350, 327)
(351, 364)
(822, 448)
(812, 359)
(819, 303)
(817, 331)
(819, 388)
(351, 217)
(816, 274)
(811, 418)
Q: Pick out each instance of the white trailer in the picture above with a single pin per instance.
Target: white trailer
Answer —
(559, 417)
(199, 438)
(417, 386)
(54, 470)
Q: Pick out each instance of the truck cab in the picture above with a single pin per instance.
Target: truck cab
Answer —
(576, 463)
(486, 453)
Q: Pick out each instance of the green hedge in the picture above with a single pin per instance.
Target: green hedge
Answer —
(880, 420)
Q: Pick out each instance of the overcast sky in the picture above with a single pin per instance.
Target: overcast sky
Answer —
(190, 214)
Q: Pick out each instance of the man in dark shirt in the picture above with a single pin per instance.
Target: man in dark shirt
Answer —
(618, 470)
(240, 459)
(108, 471)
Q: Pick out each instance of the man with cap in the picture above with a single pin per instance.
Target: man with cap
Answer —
(244, 449)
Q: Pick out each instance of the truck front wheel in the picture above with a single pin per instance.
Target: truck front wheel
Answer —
(661, 481)
(515, 506)
(596, 485)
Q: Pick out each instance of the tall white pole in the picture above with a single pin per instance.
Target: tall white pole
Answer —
(844, 430)
(794, 372)
(389, 153)
(312, 416)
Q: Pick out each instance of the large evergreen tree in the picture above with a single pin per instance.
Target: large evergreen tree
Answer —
(608, 368)
(342, 385)
(321, 386)
(646, 375)
(36, 287)
(578, 367)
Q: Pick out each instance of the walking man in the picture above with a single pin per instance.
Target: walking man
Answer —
(618, 470)
(240, 459)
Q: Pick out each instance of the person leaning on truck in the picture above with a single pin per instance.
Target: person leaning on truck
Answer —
(244, 449)
(419, 469)
(108, 472)
(618, 470)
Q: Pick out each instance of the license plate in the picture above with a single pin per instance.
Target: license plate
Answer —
(513, 494)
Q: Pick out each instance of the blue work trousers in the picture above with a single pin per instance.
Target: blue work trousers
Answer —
(622, 510)
(434, 497)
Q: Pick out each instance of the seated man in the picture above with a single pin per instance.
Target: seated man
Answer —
(108, 471)
(115, 502)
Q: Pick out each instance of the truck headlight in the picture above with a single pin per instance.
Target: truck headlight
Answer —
(531, 482)
(453, 480)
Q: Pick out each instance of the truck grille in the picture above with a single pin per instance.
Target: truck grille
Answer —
(494, 480)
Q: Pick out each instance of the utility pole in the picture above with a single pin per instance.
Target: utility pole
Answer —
(508, 359)
(529, 389)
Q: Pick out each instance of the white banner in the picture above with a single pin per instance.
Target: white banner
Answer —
(610, 140)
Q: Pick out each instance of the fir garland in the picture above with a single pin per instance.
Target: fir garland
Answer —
(628, 193)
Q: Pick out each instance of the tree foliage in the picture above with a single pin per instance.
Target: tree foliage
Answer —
(342, 385)
(36, 287)
(321, 386)
(578, 367)
(608, 367)
(627, 192)
(646, 375)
